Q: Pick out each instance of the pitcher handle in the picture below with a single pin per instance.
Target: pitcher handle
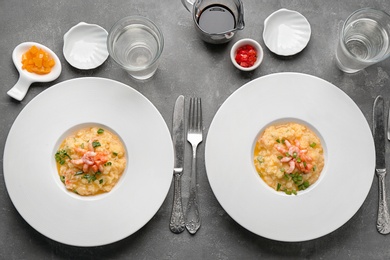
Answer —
(188, 4)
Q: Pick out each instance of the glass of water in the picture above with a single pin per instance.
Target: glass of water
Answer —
(364, 40)
(136, 44)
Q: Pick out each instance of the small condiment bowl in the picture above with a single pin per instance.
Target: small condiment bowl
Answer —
(286, 32)
(85, 46)
(242, 42)
(19, 90)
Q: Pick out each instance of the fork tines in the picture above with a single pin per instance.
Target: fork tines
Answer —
(195, 115)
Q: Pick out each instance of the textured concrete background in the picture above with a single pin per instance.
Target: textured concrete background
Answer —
(192, 68)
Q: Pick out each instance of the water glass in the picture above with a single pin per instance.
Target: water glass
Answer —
(364, 40)
(136, 44)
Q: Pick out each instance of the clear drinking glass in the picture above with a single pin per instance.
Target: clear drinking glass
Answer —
(364, 40)
(136, 44)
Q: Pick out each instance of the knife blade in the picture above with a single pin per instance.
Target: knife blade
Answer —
(383, 220)
(177, 224)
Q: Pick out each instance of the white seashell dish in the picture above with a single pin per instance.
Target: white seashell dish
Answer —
(85, 46)
(286, 32)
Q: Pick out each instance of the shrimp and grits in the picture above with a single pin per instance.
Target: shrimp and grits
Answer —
(91, 161)
(289, 157)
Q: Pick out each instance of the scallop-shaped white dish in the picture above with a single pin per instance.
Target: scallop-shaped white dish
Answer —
(286, 32)
(85, 46)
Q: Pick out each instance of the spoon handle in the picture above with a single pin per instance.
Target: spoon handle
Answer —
(19, 90)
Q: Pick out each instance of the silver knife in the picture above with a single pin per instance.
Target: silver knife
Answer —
(383, 221)
(177, 224)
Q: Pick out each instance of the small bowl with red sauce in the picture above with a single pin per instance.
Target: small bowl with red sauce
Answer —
(246, 54)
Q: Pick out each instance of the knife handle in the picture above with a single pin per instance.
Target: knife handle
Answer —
(383, 222)
(176, 224)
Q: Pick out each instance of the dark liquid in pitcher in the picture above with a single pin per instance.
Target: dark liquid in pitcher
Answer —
(216, 18)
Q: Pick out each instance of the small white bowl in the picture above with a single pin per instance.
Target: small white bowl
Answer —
(19, 90)
(85, 46)
(286, 32)
(242, 42)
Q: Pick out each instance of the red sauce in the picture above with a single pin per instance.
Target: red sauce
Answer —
(246, 56)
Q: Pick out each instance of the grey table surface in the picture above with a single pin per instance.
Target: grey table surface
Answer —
(192, 68)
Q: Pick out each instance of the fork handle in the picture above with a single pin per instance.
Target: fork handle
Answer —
(383, 222)
(176, 224)
(192, 214)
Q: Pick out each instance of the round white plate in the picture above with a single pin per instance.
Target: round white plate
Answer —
(286, 32)
(348, 148)
(30, 171)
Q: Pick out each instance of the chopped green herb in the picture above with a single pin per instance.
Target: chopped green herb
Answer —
(95, 144)
(100, 131)
(286, 176)
(98, 172)
(89, 177)
(108, 164)
(299, 160)
(101, 181)
(304, 185)
(288, 192)
(278, 187)
(61, 155)
(282, 170)
(260, 159)
(287, 154)
(115, 153)
(283, 141)
(278, 140)
(280, 157)
(313, 144)
(62, 178)
(295, 155)
(82, 146)
(314, 168)
(294, 192)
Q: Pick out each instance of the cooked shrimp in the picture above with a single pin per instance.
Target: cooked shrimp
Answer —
(77, 162)
(291, 168)
(280, 149)
(296, 157)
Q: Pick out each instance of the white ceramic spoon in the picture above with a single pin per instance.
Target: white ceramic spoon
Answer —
(19, 90)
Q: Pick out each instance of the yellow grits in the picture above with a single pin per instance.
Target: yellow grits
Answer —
(91, 161)
(289, 157)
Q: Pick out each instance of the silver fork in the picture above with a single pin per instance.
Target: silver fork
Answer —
(194, 136)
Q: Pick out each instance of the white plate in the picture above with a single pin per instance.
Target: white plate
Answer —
(85, 46)
(286, 32)
(349, 157)
(31, 176)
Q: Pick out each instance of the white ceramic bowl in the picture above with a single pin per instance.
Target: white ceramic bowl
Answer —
(85, 46)
(286, 32)
(242, 42)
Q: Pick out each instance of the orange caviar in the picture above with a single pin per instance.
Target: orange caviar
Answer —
(37, 61)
